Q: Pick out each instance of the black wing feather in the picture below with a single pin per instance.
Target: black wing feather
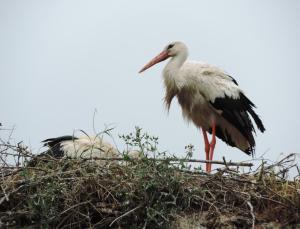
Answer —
(233, 80)
(50, 142)
(236, 112)
(54, 145)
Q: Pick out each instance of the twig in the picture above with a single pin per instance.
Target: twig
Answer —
(281, 161)
(298, 170)
(252, 214)
(261, 171)
(125, 214)
(225, 163)
(6, 196)
(74, 206)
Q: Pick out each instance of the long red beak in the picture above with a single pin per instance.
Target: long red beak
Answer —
(159, 58)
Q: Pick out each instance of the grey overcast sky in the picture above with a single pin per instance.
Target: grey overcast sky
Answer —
(60, 60)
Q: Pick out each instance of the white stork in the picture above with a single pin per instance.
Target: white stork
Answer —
(83, 147)
(210, 98)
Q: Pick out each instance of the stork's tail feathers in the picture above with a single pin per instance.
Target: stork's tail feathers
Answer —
(54, 145)
(51, 142)
(54, 149)
(255, 117)
(257, 120)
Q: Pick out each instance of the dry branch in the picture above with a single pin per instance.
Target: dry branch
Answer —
(243, 164)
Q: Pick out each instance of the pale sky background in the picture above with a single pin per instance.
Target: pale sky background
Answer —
(61, 60)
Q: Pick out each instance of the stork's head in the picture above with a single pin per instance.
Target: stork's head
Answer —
(172, 50)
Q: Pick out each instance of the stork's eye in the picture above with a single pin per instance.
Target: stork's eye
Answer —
(170, 46)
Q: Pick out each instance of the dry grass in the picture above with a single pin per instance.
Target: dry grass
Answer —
(142, 193)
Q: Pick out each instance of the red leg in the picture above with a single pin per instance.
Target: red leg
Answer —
(212, 144)
(207, 147)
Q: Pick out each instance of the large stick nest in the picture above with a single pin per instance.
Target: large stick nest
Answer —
(143, 193)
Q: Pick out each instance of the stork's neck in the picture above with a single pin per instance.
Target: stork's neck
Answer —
(170, 73)
(176, 62)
